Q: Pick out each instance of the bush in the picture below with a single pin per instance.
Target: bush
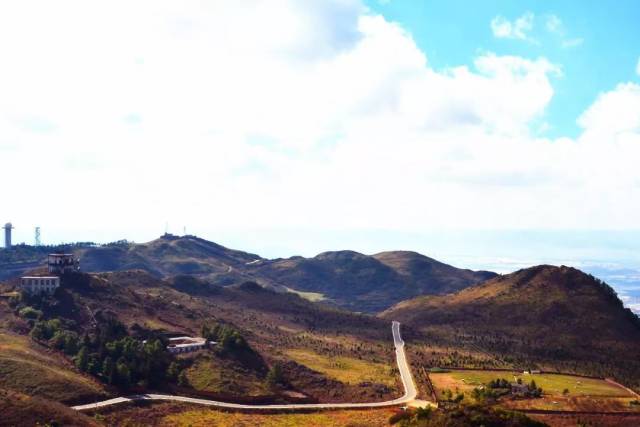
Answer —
(30, 313)
(274, 376)
(45, 330)
(399, 416)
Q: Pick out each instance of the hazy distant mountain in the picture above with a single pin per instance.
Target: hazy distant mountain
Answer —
(368, 283)
(348, 279)
(429, 276)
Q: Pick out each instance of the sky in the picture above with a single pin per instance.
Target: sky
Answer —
(503, 130)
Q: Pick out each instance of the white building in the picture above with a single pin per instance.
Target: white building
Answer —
(186, 344)
(39, 285)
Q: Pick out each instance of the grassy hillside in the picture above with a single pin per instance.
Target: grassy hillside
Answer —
(30, 368)
(18, 409)
(429, 276)
(554, 317)
(273, 324)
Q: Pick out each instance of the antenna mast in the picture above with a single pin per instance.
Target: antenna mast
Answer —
(37, 239)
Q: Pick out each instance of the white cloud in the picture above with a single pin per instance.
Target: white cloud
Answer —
(572, 42)
(614, 112)
(518, 29)
(555, 26)
(223, 116)
(638, 67)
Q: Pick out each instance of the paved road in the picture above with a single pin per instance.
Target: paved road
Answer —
(410, 391)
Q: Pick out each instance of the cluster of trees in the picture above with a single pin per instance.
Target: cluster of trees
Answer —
(55, 333)
(414, 417)
(500, 386)
(532, 389)
(122, 360)
(462, 415)
(499, 383)
(449, 397)
(228, 338)
(109, 354)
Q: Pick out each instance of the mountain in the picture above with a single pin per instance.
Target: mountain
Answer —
(367, 283)
(347, 279)
(557, 316)
(166, 256)
(429, 276)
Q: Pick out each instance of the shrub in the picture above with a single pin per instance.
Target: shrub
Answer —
(30, 313)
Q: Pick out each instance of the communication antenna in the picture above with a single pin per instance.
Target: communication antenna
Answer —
(184, 230)
(37, 239)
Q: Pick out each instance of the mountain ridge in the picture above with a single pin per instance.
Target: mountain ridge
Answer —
(346, 278)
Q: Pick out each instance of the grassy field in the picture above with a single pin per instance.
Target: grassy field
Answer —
(345, 369)
(560, 403)
(585, 394)
(326, 419)
(309, 296)
(209, 373)
(178, 414)
(552, 384)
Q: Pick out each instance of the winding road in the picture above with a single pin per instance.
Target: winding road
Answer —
(410, 391)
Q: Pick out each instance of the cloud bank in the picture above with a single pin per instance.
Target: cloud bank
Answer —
(223, 115)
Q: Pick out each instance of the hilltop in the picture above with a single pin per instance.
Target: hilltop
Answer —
(557, 317)
(169, 256)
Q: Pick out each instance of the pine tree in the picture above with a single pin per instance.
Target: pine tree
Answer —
(274, 376)
(82, 359)
(108, 369)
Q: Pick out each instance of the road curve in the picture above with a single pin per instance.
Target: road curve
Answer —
(410, 391)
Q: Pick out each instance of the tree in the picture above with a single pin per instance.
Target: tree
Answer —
(123, 373)
(173, 371)
(423, 413)
(108, 369)
(274, 376)
(82, 359)
(93, 366)
(183, 381)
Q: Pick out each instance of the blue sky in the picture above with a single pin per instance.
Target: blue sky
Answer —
(453, 32)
